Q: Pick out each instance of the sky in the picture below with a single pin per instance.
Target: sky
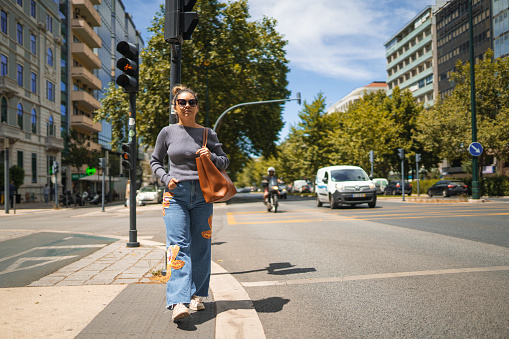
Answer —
(334, 46)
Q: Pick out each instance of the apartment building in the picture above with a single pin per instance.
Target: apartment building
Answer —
(356, 95)
(56, 61)
(409, 55)
(453, 36)
(30, 119)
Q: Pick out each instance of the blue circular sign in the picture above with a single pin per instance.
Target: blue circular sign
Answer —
(475, 149)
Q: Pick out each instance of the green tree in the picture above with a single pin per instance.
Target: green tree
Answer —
(78, 153)
(16, 174)
(446, 129)
(242, 60)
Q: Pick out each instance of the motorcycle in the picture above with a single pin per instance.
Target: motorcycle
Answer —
(273, 194)
(95, 199)
(66, 199)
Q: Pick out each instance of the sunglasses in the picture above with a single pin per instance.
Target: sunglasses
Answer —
(183, 103)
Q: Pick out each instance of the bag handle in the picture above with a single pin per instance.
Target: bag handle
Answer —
(205, 134)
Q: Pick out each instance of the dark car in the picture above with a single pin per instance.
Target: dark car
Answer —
(447, 188)
(394, 188)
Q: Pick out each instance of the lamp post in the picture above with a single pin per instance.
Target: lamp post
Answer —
(252, 103)
(475, 164)
(206, 66)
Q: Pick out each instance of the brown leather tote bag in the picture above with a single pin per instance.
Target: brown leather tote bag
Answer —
(215, 184)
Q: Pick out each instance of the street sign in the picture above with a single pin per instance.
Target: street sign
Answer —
(475, 149)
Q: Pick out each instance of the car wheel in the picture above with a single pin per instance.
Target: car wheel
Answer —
(393, 192)
(372, 204)
(318, 202)
(430, 193)
(445, 193)
(331, 202)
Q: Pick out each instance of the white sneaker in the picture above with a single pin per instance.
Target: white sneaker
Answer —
(180, 311)
(196, 304)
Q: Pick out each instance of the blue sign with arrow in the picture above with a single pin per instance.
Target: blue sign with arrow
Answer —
(475, 149)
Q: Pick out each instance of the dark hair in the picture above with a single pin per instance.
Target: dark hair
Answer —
(179, 88)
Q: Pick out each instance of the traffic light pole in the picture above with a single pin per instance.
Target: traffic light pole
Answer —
(175, 75)
(133, 233)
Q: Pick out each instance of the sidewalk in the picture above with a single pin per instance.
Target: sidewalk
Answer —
(110, 293)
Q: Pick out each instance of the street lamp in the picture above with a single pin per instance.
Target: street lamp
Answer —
(206, 66)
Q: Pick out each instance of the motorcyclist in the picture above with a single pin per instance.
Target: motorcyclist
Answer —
(271, 172)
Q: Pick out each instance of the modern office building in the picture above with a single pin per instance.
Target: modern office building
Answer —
(356, 95)
(453, 36)
(30, 119)
(500, 14)
(409, 53)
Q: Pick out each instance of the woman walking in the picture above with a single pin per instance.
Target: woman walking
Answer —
(187, 216)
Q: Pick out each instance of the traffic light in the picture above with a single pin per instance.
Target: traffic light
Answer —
(179, 22)
(129, 65)
(401, 153)
(417, 157)
(54, 168)
(102, 163)
(127, 160)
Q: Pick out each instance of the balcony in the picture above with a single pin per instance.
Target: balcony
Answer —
(85, 33)
(85, 101)
(85, 9)
(83, 75)
(8, 86)
(85, 55)
(53, 144)
(93, 146)
(14, 133)
(84, 123)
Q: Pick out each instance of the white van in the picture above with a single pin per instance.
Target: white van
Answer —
(337, 185)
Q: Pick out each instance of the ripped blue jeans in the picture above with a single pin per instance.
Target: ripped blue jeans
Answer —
(188, 220)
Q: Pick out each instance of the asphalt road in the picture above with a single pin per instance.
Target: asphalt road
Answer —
(401, 270)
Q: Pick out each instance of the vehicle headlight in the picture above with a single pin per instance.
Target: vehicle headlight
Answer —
(275, 188)
(372, 185)
(340, 186)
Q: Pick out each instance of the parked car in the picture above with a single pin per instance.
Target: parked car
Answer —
(447, 188)
(338, 185)
(283, 192)
(394, 188)
(149, 194)
(382, 183)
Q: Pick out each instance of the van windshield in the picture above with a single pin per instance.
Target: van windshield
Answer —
(349, 175)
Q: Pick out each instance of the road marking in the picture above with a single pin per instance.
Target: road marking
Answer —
(19, 265)
(374, 276)
(52, 248)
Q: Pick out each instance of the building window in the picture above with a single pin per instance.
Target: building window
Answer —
(50, 91)
(50, 57)
(4, 110)
(34, 82)
(49, 23)
(3, 66)
(20, 159)
(20, 33)
(34, 121)
(20, 2)
(20, 75)
(34, 168)
(33, 44)
(3, 21)
(20, 115)
(32, 8)
(50, 126)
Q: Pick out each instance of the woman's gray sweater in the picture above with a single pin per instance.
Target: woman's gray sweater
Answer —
(180, 143)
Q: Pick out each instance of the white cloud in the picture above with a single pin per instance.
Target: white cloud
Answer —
(338, 38)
